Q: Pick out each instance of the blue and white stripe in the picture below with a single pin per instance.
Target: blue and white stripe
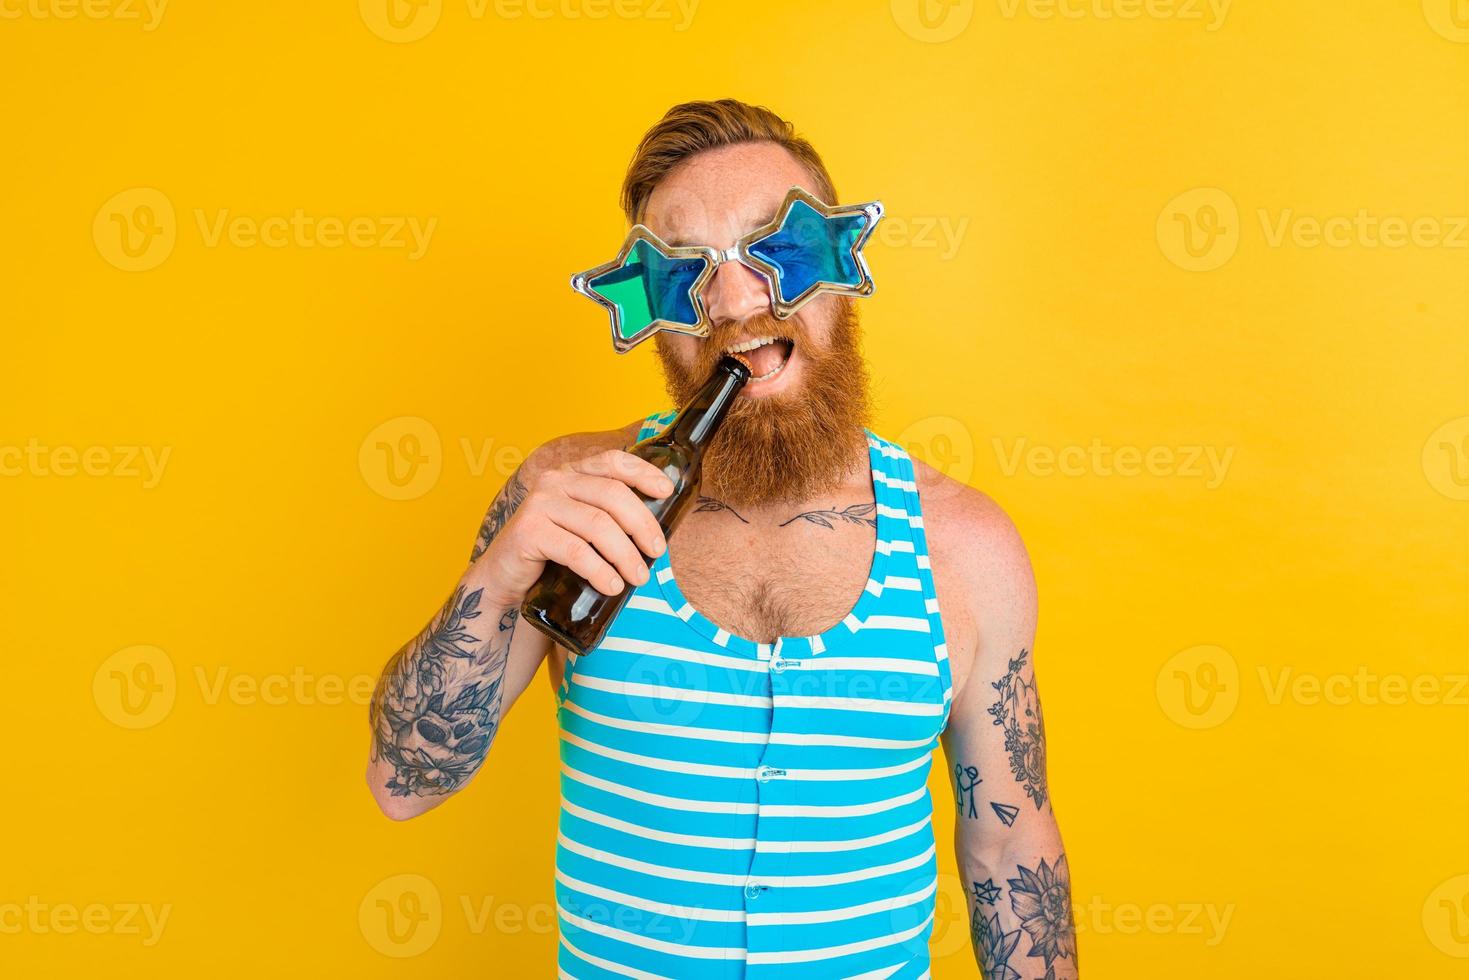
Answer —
(732, 809)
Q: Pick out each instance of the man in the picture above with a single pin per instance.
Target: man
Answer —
(744, 757)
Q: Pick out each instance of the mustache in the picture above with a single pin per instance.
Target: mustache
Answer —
(711, 350)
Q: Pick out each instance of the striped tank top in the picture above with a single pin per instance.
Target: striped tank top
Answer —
(732, 809)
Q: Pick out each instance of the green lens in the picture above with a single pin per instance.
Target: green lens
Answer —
(648, 287)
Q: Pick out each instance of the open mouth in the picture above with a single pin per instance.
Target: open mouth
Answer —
(765, 356)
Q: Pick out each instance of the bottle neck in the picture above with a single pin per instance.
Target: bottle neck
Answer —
(696, 422)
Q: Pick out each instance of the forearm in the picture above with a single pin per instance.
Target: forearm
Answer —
(438, 703)
(1009, 849)
(440, 699)
(1018, 885)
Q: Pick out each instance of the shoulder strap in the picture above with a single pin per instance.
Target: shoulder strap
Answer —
(654, 424)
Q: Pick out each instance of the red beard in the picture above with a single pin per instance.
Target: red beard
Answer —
(798, 444)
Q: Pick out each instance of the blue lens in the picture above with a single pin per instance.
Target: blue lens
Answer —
(648, 287)
(809, 249)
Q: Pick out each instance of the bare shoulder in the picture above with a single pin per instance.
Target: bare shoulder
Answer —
(981, 569)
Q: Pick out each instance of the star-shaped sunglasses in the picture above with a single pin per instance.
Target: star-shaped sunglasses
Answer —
(809, 248)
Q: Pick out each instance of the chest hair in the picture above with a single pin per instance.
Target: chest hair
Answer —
(765, 581)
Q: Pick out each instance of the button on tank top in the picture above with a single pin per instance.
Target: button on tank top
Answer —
(732, 809)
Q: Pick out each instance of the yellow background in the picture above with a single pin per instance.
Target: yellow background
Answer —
(271, 555)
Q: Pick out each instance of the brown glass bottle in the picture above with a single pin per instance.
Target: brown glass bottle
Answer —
(566, 606)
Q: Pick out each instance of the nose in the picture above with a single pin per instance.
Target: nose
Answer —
(735, 292)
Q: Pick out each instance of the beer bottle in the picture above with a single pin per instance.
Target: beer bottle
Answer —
(566, 606)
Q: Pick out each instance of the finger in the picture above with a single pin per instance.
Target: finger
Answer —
(576, 553)
(598, 527)
(626, 508)
(625, 467)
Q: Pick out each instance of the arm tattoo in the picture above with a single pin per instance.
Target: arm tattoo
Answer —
(1041, 899)
(710, 505)
(966, 778)
(1018, 712)
(502, 508)
(437, 705)
(988, 892)
(1039, 909)
(851, 514)
(993, 946)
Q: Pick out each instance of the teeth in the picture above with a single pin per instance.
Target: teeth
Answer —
(770, 374)
(750, 345)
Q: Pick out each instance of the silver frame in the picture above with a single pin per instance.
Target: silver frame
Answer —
(739, 252)
(581, 282)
